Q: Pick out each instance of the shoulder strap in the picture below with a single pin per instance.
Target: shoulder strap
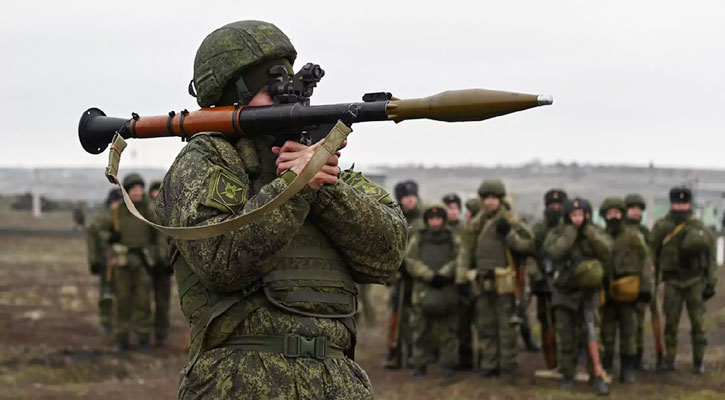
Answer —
(332, 142)
(675, 231)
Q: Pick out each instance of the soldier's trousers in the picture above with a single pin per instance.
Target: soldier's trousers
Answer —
(227, 373)
(570, 339)
(690, 295)
(434, 336)
(162, 295)
(466, 317)
(545, 315)
(622, 317)
(132, 305)
(105, 298)
(497, 337)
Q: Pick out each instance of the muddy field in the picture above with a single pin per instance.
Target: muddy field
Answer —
(51, 348)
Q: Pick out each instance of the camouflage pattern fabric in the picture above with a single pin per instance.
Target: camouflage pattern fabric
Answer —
(434, 335)
(497, 337)
(689, 294)
(622, 317)
(641, 307)
(162, 295)
(97, 246)
(354, 220)
(570, 339)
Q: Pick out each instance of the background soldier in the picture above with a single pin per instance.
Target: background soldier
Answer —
(467, 308)
(473, 206)
(627, 283)
(400, 335)
(578, 250)
(271, 304)
(684, 253)
(161, 278)
(97, 241)
(497, 236)
(431, 262)
(635, 207)
(543, 279)
(453, 205)
(132, 245)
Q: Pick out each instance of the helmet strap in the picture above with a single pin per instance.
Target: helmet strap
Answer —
(242, 91)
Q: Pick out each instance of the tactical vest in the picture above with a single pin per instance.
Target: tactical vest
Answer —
(490, 251)
(673, 260)
(436, 249)
(309, 278)
(628, 257)
(134, 232)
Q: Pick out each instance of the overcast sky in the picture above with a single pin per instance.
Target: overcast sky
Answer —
(632, 81)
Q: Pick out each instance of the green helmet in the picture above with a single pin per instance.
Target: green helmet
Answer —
(154, 185)
(492, 187)
(589, 274)
(611, 202)
(435, 210)
(132, 180)
(240, 53)
(634, 199)
(473, 205)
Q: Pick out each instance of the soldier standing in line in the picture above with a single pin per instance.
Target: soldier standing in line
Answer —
(543, 280)
(453, 205)
(467, 303)
(627, 283)
(473, 206)
(98, 245)
(431, 262)
(496, 236)
(684, 253)
(161, 278)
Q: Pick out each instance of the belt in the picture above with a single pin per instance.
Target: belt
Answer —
(290, 346)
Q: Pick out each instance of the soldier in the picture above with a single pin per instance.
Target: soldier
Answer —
(161, 278)
(473, 206)
(453, 205)
(543, 279)
(496, 237)
(431, 262)
(578, 249)
(627, 283)
(97, 242)
(684, 253)
(271, 304)
(401, 336)
(467, 310)
(635, 207)
(132, 256)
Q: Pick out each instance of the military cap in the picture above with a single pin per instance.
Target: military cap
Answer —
(406, 188)
(492, 187)
(555, 196)
(680, 194)
(113, 195)
(611, 202)
(132, 180)
(634, 199)
(576, 204)
(155, 185)
(435, 210)
(452, 198)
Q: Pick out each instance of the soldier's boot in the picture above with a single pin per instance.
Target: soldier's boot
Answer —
(608, 362)
(465, 361)
(600, 386)
(419, 371)
(120, 345)
(531, 347)
(567, 383)
(699, 366)
(626, 368)
(668, 365)
(393, 359)
(487, 373)
(448, 372)
(409, 358)
(143, 345)
(509, 377)
(106, 328)
(160, 342)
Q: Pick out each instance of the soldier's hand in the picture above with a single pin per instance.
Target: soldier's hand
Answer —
(294, 156)
(503, 227)
(439, 281)
(709, 292)
(644, 297)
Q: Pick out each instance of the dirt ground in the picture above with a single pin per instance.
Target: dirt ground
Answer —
(51, 348)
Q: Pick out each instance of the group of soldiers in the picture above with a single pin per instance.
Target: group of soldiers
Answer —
(592, 284)
(131, 261)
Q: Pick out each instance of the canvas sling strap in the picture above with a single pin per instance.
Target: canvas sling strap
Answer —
(331, 143)
(675, 231)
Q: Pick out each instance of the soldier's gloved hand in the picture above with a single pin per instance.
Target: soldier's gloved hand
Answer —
(644, 297)
(95, 268)
(709, 292)
(439, 281)
(464, 290)
(115, 237)
(503, 227)
(294, 156)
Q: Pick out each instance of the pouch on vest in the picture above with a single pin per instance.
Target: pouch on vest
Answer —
(625, 289)
(505, 277)
(118, 256)
(697, 240)
(589, 274)
(439, 302)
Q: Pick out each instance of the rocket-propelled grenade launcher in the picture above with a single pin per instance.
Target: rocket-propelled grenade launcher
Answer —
(293, 118)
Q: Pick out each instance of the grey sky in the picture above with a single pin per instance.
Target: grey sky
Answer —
(632, 81)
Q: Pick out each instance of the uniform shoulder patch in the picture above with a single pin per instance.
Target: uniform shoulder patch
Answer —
(226, 191)
(358, 181)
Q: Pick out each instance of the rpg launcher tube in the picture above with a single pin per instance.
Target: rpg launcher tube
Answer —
(96, 130)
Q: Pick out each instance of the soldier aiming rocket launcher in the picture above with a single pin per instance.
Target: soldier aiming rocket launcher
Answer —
(293, 118)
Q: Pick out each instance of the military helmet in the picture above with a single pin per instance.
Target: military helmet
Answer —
(132, 180)
(589, 273)
(406, 188)
(634, 199)
(155, 185)
(452, 198)
(239, 53)
(555, 196)
(113, 196)
(473, 205)
(435, 210)
(680, 194)
(612, 202)
(493, 187)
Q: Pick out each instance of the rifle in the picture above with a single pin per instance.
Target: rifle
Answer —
(656, 322)
(396, 316)
(293, 118)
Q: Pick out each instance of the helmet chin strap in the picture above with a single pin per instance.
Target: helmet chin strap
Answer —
(242, 91)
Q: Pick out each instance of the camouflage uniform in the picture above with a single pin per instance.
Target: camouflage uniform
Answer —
(271, 304)
(133, 247)
(684, 253)
(431, 262)
(567, 246)
(161, 280)
(485, 250)
(630, 257)
(467, 310)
